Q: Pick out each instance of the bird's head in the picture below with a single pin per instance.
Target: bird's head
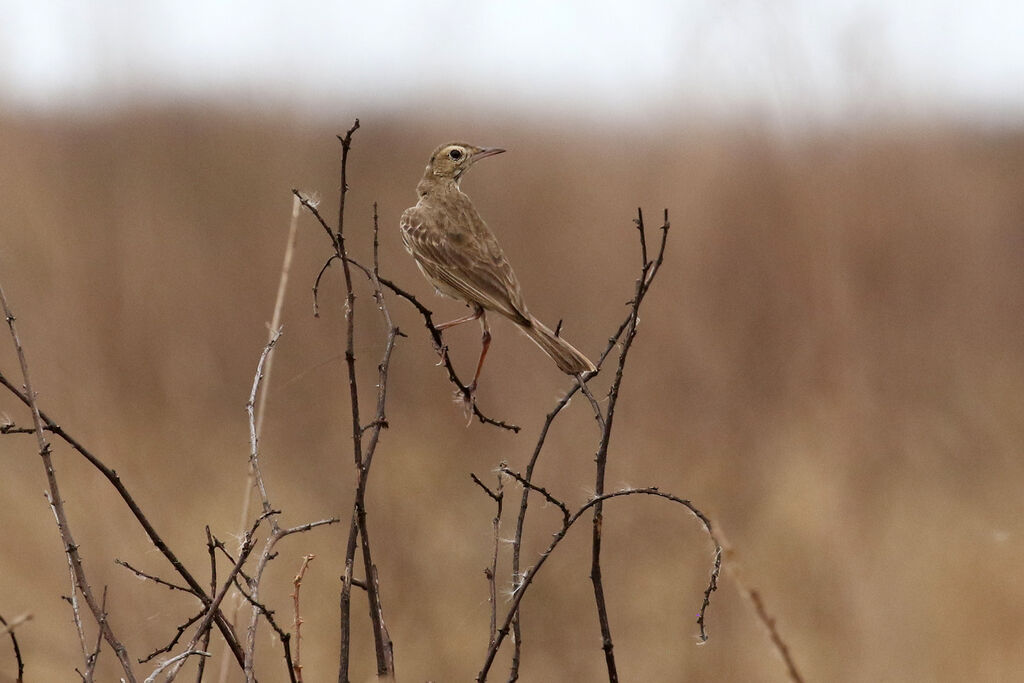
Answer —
(453, 159)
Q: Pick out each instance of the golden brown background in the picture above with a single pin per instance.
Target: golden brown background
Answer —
(831, 366)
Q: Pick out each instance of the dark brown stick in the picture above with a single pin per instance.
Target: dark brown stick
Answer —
(9, 628)
(338, 237)
(358, 532)
(453, 377)
(613, 340)
(205, 640)
(649, 270)
(381, 638)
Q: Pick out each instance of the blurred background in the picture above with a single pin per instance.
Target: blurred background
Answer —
(831, 364)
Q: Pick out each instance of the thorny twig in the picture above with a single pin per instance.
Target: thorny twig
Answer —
(648, 270)
(8, 628)
(115, 480)
(605, 421)
(173, 661)
(254, 464)
(57, 504)
(155, 579)
(297, 583)
(204, 644)
(526, 484)
(179, 632)
(248, 543)
(627, 333)
(362, 454)
(276, 531)
(498, 496)
(529, 575)
(453, 377)
(428, 315)
(254, 586)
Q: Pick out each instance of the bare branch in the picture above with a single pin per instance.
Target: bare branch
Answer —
(179, 632)
(491, 572)
(476, 480)
(213, 609)
(253, 596)
(57, 504)
(316, 285)
(254, 433)
(529, 575)
(176, 660)
(276, 532)
(297, 583)
(205, 640)
(643, 282)
(358, 533)
(9, 628)
(155, 579)
(115, 480)
(453, 377)
(76, 613)
(541, 490)
(605, 422)
(753, 597)
(311, 206)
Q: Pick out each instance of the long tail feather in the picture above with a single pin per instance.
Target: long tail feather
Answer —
(565, 355)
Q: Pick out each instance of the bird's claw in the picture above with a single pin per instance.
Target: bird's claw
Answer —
(466, 397)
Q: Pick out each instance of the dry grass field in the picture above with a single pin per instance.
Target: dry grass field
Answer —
(831, 366)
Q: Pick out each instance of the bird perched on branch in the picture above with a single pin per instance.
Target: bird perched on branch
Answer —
(461, 257)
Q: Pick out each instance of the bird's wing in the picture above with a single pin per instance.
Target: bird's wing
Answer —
(467, 262)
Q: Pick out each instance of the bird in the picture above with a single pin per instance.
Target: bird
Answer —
(460, 256)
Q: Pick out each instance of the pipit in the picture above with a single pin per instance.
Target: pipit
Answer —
(461, 257)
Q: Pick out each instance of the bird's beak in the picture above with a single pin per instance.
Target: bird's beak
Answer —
(487, 152)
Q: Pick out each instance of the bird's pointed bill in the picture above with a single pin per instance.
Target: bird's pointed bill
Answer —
(487, 152)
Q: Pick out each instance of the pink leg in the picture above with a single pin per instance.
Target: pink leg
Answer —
(486, 341)
(477, 312)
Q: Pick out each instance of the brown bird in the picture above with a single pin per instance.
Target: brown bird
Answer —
(461, 257)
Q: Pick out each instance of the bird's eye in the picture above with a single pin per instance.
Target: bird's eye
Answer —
(455, 154)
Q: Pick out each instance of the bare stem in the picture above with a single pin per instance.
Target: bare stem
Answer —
(491, 571)
(264, 558)
(276, 532)
(358, 532)
(57, 503)
(531, 573)
(248, 543)
(254, 465)
(604, 424)
(9, 628)
(297, 583)
(174, 661)
(111, 476)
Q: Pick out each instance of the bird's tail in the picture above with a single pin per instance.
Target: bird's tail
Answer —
(565, 355)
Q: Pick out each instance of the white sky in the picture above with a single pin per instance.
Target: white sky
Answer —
(779, 58)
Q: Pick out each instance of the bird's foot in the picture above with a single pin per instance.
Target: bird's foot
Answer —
(466, 397)
(442, 351)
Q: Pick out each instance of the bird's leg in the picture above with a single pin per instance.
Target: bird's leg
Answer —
(443, 349)
(485, 341)
(477, 312)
